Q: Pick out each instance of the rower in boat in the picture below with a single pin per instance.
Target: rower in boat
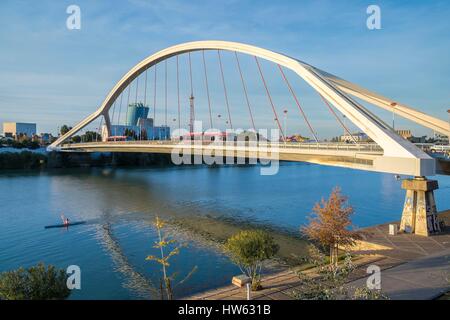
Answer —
(65, 220)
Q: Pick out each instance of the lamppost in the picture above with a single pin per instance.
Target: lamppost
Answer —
(277, 124)
(174, 120)
(393, 105)
(219, 117)
(343, 121)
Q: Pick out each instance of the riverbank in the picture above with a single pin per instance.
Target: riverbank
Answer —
(413, 267)
(292, 246)
(39, 159)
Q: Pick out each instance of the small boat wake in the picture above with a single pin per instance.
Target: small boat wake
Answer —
(135, 281)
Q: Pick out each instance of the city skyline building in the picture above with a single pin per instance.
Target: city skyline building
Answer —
(135, 112)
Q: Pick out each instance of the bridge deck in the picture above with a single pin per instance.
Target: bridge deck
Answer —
(345, 155)
(365, 156)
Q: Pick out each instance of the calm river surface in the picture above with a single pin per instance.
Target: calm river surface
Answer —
(120, 204)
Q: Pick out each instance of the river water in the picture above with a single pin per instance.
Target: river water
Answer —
(203, 204)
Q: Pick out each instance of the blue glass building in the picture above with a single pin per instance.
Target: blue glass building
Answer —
(135, 112)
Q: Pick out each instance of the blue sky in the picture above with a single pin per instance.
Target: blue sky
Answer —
(51, 75)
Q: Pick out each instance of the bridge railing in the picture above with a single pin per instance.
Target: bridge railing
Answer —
(372, 147)
(363, 147)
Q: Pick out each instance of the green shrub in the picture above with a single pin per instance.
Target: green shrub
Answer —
(35, 283)
(249, 249)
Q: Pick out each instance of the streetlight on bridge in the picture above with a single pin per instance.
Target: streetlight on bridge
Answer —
(343, 121)
(219, 117)
(393, 105)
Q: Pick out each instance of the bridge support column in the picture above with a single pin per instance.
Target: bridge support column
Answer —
(106, 134)
(419, 212)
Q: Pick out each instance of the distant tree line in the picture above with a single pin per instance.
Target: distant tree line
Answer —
(88, 136)
(19, 144)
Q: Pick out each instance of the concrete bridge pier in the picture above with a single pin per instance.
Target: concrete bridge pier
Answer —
(419, 212)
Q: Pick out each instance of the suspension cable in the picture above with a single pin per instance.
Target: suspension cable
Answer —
(337, 118)
(245, 90)
(207, 89)
(225, 89)
(128, 101)
(139, 123)
(136, 101)
(190, 74)
(178, 95)
(270, 98)
(154, 98)
(114, 111)
(120, 112)
(137, 88)
(165, 93)
(191, 109)
(298, 103)
(145, 88)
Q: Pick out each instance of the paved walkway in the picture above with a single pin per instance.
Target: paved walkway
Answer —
(413, 267)
(279, 286)
(422, 279)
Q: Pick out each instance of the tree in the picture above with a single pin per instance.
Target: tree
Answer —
(35, 283)
(130, 133)
(64, 129)
(91, 136)
(248, 249)
(165, 244)
(330, 223)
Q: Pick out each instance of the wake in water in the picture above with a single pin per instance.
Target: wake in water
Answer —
(135, 281)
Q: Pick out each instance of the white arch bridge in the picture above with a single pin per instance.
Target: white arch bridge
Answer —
(389, 152)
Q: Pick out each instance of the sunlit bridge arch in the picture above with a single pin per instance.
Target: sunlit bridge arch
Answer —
(398, 155)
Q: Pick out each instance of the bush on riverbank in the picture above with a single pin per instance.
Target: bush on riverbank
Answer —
(24, 143)
(248, 249)
(35, 283)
